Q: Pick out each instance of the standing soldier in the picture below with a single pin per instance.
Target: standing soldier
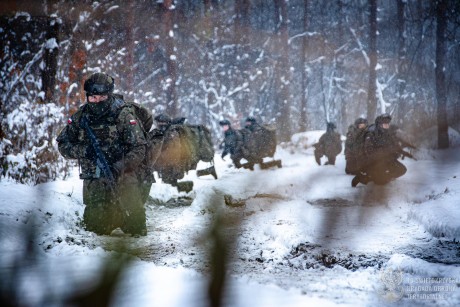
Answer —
(354, 145)
(381, 151)
(233, 143)
(329, 145)
(106, 137)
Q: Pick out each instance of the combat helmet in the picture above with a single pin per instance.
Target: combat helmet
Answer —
(163, 118)
(331, 126)
(225, 122)
(384, 118)
(360, 121)
(99, 84)
(251, 119)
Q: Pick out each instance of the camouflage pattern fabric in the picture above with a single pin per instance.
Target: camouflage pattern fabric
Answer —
(259, 143)
(123, 143)
(183, 146)
(329, 145)
(354, 149)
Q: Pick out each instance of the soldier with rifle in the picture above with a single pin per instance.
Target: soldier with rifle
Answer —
(329, 145)
(107, 139)
(381, 153)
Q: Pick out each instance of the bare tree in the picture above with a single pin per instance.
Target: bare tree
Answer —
(402, 59)
(172, 107)
(304, 87)
(50, 57)
(372, 88)
(241, 22)
(282, 70)
(130, 25)
(441, 95)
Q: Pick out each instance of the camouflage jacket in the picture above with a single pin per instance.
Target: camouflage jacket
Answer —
(330, 143)
(119, 134)
(354, 142)
(233, 142)
(380, 144)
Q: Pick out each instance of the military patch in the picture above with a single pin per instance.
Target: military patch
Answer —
(132, 122)
(69, 121)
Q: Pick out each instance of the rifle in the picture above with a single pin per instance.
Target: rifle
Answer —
(406, 154)
(406, 144)
(100, 157)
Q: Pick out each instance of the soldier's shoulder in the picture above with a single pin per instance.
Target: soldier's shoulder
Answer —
(75, 117)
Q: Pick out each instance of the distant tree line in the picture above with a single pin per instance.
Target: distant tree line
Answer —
(296, 63)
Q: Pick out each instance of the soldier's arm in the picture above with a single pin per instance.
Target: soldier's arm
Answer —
(68, 144)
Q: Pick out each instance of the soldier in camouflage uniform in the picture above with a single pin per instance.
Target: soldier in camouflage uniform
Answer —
(329, 145)
(381, 150)
(353, 146)
(233, 143)
(122, 141)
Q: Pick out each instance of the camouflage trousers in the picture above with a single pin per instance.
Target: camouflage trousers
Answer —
(353, 164)
(319, 153)
(382, 172)
(106, 210)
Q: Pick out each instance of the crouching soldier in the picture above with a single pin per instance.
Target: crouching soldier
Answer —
(107, 140)
(354, 146)
(329, 145)
(232, 144)
(382, 151)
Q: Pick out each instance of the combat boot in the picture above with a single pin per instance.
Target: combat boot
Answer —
(207, 171)
(355, 181)
(318, 160)
(248, 165)
(265, 165)
(184, 186)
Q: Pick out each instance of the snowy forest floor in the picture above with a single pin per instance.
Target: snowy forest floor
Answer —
(300, 227)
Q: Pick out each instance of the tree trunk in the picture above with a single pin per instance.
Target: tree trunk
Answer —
(441, 95)
(304, 101)
(50, 58)
(372, 89)
(241, 36)
(209, 99)
(402, 61)
(241, 22)
(283, 72)
(130, 24)
(172, 107)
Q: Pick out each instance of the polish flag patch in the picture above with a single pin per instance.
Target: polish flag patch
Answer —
(132, 122)
(69, 121)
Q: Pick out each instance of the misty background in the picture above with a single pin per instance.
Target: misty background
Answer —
(296, 64)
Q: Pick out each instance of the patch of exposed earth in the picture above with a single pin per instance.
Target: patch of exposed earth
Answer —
(307, 266)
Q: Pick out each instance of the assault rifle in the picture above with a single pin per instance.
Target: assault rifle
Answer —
(100, 157)
(405, 144)
(407, 154)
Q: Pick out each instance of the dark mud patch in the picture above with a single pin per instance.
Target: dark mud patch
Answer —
(436, 251)
(333, 202)
(176, 202)
(313, 256)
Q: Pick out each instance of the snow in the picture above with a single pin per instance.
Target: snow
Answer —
(401, 225)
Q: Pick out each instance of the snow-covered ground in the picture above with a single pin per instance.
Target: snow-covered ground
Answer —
(299, 236)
